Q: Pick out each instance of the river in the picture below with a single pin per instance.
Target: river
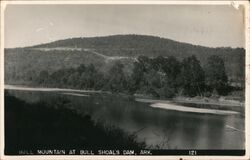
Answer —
(157, 126)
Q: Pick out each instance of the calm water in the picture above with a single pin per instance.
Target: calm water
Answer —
(166, 128)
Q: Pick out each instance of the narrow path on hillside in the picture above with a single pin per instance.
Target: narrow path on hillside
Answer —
(86, 50)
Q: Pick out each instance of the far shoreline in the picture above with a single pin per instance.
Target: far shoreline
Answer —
(48, 89)
(204, 102)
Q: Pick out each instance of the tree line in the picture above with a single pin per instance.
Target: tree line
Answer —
(163, 77)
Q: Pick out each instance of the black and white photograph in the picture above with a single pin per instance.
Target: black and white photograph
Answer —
(91, 79)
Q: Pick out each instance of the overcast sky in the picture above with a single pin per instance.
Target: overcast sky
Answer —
(213, 26)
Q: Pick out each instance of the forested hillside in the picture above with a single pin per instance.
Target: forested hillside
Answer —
(22, 65)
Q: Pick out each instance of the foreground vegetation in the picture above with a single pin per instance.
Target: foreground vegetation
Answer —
(45, 125)
(161, 77)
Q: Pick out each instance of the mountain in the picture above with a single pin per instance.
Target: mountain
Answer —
(23, 64)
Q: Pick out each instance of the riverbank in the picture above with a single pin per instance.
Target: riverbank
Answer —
(192, 109)
(40, 125)
(221, 101)
(25, 88)
(186, 104)
(152, 125)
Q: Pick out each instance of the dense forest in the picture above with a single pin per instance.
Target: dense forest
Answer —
(23, 65)
(163, 77)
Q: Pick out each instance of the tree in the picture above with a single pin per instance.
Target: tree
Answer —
(171, 67)
(88, 76)
(167, 91)
(116, 78)
(192, 77)
(136, 80)
(43, 77)
(136, 77)
(73, 79)
(81, 68)
(145, 63)
(215, 73)
(158, 63)
(57, 77)
(152, 82)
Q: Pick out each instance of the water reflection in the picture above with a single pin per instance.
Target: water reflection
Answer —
(158, 127)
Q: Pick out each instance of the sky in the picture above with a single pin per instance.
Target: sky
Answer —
(206, 25)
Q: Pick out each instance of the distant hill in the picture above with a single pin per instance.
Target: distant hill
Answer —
(22, 64)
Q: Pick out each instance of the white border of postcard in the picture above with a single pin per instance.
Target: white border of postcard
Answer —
(235, 4)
